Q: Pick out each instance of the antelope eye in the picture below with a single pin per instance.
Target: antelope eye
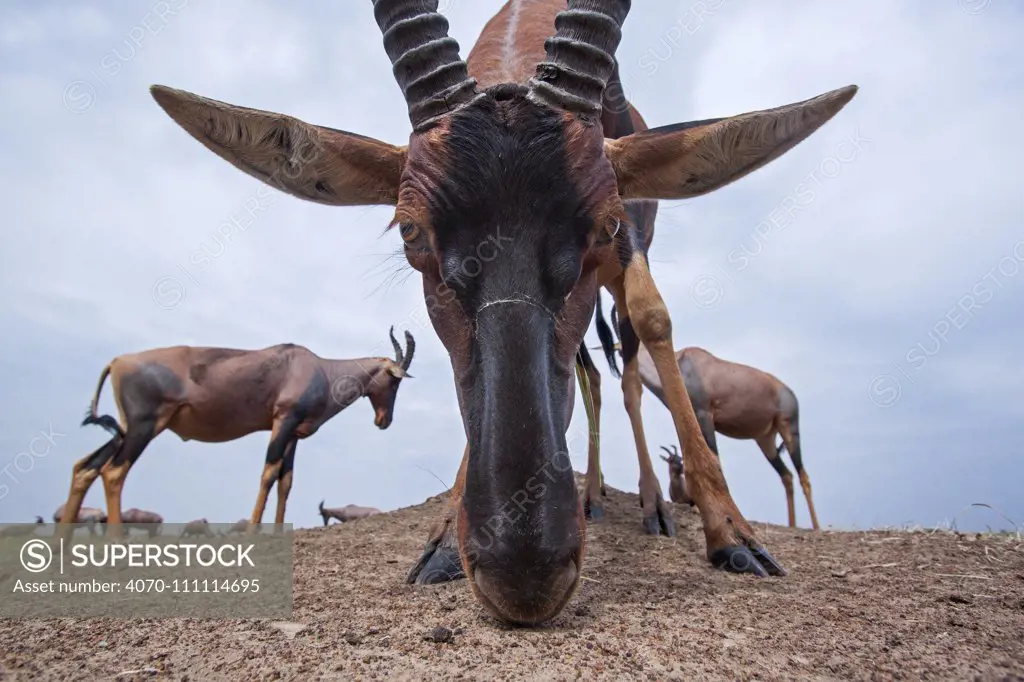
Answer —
(409, 231)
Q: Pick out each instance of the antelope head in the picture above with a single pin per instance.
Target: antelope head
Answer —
(508, 201)
(384, 388)
(675, 462)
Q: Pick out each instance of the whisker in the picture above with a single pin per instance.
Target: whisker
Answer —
(390, 275)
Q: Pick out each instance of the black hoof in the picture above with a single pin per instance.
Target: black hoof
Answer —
(741, 559)
(661, 521)
(768, 561)
(437, 565)
(593, 511)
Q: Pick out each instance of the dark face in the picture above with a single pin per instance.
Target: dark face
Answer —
(508, 241)
(382, 394)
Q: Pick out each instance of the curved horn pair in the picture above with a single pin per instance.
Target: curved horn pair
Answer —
(403, 360)
(435, 80)
(674, 452)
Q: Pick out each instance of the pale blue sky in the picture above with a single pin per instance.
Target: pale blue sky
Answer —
(827, 268)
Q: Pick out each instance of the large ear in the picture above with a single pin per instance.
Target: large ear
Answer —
(398, 372)
(689, 159)
(311, 162)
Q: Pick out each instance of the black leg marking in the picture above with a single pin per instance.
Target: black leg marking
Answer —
(629, 340)
(136, 438)
(707, 429)
(289, 459)
(794, 453)
(102, 455)
(279, 446)
(780, 467)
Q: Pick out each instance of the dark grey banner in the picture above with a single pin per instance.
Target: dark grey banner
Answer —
(195, 570)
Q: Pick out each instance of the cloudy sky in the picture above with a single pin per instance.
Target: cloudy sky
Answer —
(877, 269)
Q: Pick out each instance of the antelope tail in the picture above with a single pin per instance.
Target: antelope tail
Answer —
(604, 333)
(104, 421)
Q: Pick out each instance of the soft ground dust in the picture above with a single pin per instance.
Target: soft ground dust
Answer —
(857, 605)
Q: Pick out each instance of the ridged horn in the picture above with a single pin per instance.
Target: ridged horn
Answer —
(410, 348)
(434, 78)
(580, 56)
(399, 358)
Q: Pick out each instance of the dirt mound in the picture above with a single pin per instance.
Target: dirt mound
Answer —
(857, 605)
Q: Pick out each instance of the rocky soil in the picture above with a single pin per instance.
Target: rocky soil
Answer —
(857, 605)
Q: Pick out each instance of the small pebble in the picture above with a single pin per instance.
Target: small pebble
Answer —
(440, 635)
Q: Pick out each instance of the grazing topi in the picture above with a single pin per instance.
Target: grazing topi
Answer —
(350, 512)
(215, 395)
(143, 520)
(737, 401)
(526, 184)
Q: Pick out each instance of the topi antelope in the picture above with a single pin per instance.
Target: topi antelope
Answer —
(676, 486)
(197, 527)
(143, 520)
(745, 403)
(87, 515)
(350, 512)
(215, 395)
(530, 145)
(742, 402)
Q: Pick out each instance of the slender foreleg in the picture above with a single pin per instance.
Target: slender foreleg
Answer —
(767, 445)
(281, 435)
(593, 507)
(657, 514)
(284, 480)
(84, 472)
(137, 436)
(790, 433)
(731, 542)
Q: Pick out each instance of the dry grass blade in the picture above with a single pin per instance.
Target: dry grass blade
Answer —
(446, 486)
(962, 575)
(891, 565)
(1017, 528)
(148, 671)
